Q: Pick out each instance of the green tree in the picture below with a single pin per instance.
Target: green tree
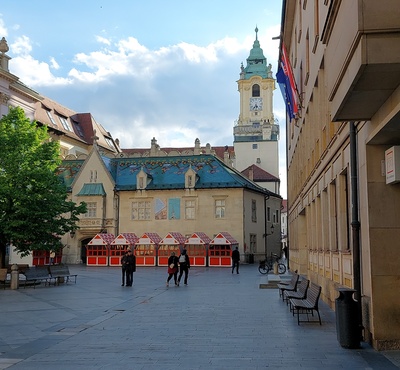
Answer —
(34, 207)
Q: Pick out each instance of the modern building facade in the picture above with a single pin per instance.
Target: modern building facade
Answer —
(343, 174)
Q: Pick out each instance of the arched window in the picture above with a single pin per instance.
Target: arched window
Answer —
(255, 90)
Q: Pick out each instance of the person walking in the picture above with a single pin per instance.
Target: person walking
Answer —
(123, 267)
(184, 266)
(235, 260)
(173, 268)
(130, 267)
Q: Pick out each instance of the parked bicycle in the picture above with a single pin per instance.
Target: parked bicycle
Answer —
(268, 264)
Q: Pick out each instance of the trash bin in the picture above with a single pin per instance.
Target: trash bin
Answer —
(251, 258)
(347, 325)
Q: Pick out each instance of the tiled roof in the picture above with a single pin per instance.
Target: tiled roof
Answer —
(149, 238)
(169, 172)
(102, 239)
(125, 239)
(259, 175)
(82, 126)
(68, 171)
(224, 238)
(173, 238)
(198, 238)
(92, 189)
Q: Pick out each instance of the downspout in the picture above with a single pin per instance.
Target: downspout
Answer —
(355, 223)
(116, 206)
(265, 226)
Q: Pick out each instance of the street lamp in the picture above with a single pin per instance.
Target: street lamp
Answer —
(265, 236)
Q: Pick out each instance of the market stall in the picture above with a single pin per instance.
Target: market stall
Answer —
(146, 249)
(220, 250)
(196, 246)
(172, 242)
(119, 247)
(97, 250)
(41, 258)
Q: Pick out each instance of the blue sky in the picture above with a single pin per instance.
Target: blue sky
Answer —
(144, 69)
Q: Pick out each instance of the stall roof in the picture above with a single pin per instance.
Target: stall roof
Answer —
(173, 238)
(149, 238)
(224, 238)
(198, 238)
(125, 239)
(102, 239)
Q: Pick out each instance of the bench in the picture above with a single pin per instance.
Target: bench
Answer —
(61, 273)
(3, 277)
(307, 305)
(36, 275)
(291, 286)
(300, 293)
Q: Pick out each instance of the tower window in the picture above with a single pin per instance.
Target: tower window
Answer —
(255, 146)
(255, 90)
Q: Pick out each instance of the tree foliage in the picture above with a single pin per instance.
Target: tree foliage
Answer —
(34, 207)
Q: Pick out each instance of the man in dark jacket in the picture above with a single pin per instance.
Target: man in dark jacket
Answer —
(235, 260)
(123, 267)
(130, 267)
(184, 264)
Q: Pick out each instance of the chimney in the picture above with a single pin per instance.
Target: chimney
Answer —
(251, 174)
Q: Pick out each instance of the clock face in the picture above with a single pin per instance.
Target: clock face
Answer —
(256, 103)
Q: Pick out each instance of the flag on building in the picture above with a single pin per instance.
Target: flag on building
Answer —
(286, 82)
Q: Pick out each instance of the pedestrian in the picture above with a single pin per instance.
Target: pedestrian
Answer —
(184, 264)
(52, 256)
(235, 260)
(130, 267)
(123, 267)
(173, 268)
(285, 251)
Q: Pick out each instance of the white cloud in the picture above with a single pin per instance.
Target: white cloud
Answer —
(54, 63)
(22, 46)
(3, 29)
(103, 40)
(34, 73)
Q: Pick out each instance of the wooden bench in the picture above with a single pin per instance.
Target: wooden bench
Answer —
(35, 275)
(307, 305)
(300, 293)
(61, 273)
(3, 277)
(291, 286)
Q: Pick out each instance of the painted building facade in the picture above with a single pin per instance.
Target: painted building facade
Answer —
(343, 196)
(163, 194)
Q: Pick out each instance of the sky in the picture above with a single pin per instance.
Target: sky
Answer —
(144, 69)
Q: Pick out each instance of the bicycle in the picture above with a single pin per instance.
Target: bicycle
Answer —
(268, 264)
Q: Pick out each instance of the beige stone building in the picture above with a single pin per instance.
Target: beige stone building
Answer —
(343, 191)
(161, 193)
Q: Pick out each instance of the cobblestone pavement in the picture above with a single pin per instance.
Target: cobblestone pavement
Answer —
(219, 321)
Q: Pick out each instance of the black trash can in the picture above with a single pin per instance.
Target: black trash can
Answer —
(347, 326)
(251, 258)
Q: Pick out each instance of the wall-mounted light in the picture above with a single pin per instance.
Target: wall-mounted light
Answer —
(72, 233)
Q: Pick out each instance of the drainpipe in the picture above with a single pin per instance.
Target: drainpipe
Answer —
(116, 210)
(265, 226)
(355, 223)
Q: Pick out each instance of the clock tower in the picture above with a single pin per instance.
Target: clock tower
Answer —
(255, 132)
